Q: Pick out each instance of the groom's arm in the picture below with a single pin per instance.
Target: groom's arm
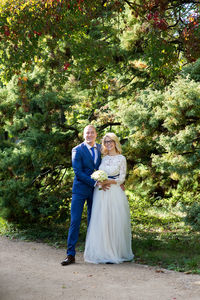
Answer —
(78, 168)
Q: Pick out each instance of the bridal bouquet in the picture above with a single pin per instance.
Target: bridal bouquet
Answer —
(99, 176)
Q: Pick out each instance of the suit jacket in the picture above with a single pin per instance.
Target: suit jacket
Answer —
(83, 165)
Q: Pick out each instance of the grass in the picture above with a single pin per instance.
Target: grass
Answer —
(54, 235)
(160, 238)
(172, 251)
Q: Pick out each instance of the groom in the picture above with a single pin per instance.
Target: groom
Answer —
(86, 158)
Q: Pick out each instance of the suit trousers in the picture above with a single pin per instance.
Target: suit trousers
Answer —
(77, 205)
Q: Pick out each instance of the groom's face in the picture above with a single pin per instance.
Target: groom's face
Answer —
(90, 135)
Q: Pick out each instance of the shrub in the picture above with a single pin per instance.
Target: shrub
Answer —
(193, 216)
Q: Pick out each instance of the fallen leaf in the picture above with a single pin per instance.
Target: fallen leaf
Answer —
(188, 272)
(160, 271)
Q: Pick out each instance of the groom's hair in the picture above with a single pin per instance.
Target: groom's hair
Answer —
(89, 125)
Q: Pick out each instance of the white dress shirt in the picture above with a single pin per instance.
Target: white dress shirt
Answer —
(95, 151)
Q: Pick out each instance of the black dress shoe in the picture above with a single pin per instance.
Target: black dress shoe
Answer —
(68, 260)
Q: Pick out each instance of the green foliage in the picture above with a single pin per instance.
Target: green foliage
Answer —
(193, 216)
(64, 36)
(65, 64)
(160, 236)
(193, 70)
(173, 23)
(35, 168)
(163, 144)
(62, 67)
(91, 39)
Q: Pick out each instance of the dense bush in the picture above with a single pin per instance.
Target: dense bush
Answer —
(164, 143)
(193, 216)
(35, 166)
(193, 70)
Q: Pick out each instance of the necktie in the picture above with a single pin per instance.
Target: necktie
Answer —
(93, 153)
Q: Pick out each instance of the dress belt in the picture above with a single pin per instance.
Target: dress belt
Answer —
(113, 177)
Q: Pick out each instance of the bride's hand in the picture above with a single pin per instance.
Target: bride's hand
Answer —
(104, 185)
(109, 181)
(104, 182)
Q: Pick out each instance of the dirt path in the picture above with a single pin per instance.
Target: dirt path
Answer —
(33, 271)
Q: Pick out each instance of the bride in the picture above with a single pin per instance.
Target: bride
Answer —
(109, 234)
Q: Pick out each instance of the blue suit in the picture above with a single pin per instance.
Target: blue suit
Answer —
(83, 187)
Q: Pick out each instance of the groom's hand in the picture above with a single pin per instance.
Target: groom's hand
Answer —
(122, 187)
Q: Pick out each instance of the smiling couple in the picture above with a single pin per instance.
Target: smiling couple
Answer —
(109, 231)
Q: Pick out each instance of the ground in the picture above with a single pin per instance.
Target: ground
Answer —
(32, 271)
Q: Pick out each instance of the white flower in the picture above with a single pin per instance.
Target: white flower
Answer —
(99, 175)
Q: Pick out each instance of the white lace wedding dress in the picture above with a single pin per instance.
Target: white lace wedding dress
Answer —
(109, 233)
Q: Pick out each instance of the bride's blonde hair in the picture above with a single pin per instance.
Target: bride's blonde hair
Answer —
(114, 138)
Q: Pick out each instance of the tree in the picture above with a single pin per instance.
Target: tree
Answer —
(65, 63)
(164, 141)
(59, 34)
(172, 22)
(35, 168)
(52, 73)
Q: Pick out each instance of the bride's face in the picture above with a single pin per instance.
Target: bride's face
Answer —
(109, 144)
